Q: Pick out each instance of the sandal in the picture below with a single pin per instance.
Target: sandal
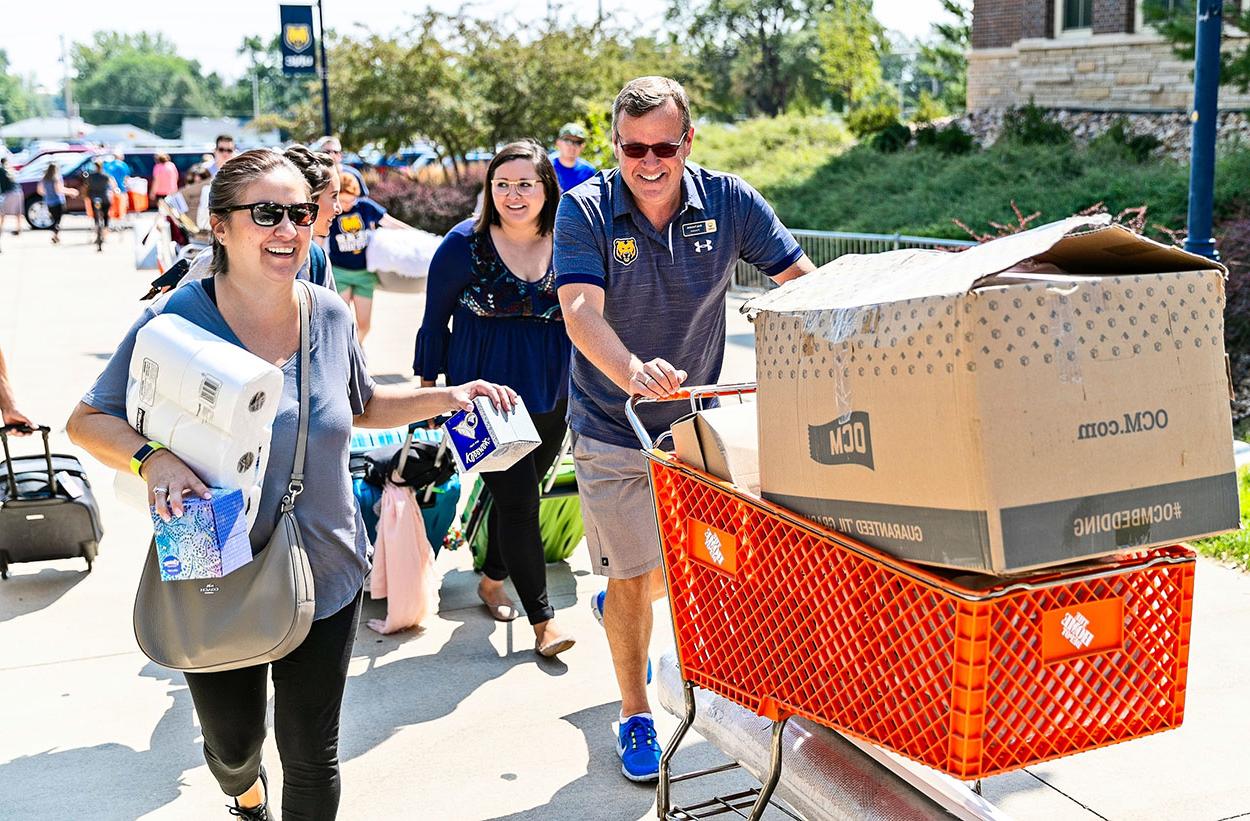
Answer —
(501, 609)
(554, 648)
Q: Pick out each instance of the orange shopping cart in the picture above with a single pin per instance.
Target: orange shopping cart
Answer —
(972, 675)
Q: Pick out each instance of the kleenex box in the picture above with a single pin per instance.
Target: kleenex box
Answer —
(487, 439)
(209, 540)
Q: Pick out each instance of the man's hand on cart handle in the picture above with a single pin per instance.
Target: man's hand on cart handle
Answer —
(656, 379)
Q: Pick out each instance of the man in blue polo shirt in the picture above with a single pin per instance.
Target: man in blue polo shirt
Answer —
(644, 256)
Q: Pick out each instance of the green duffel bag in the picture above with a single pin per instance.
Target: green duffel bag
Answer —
(559, 517)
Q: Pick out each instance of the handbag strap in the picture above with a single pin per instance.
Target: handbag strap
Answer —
(296, 486)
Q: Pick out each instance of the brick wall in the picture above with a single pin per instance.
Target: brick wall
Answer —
(1037, 18)
(996, 23)
(1124, 72)
(1113, 16)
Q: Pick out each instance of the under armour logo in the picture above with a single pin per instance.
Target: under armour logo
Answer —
(702, 245)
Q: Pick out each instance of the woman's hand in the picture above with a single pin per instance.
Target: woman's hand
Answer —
(501, 396)
(168, 479)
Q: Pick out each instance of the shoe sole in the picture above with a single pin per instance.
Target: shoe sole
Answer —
(640, 779)
(555, 649)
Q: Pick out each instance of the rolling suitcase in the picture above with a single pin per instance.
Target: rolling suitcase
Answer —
(47, 509)
(377, 457)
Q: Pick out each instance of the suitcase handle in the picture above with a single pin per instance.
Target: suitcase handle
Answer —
(8, 459)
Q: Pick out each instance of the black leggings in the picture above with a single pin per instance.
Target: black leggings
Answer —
(307, 697)
(519, 553)
(56, 211)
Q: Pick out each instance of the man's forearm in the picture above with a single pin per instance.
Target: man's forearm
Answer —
(594, 337)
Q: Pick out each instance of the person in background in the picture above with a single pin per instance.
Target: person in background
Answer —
(571, 169)
(10, 198)
(117, 168)
(54, 192)
(9, 413)
(325, 184)
(223, 150)
(348, 241)
(334, 147)
(644, 255)
(492, 279)
(164, 178)
(101, 190)
(262, 226)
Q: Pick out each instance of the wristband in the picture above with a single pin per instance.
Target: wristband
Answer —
(142, 455)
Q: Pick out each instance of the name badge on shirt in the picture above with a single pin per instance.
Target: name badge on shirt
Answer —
(698, 229)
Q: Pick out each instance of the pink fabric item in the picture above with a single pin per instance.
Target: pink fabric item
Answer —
(164, 179)
(403, 564)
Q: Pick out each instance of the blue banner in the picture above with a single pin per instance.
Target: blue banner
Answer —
(298, 40)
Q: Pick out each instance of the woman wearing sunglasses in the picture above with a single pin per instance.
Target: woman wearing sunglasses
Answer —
(492, 278)
(349, 240)
(323, 186)
(262, 218)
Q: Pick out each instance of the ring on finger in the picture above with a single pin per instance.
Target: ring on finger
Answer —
(161, 490)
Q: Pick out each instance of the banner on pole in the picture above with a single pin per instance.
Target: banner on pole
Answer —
(297, 40)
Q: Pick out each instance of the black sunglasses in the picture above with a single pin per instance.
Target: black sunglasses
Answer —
(636, 151)
(269, 214)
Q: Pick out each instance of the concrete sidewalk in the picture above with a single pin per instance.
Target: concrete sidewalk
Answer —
(459, 720)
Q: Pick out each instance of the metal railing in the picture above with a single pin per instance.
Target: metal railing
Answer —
(825, 246)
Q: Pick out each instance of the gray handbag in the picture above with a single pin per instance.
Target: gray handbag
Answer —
(258, 613)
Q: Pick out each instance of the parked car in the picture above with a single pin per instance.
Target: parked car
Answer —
(74, 167)
(24, 158)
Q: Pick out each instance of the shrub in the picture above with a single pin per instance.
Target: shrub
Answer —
(871, 118)
(949, 140)
(769, 150)
(928, 109)
(433, 207)
(894, 137)
(1120, 138)
(1033, 125)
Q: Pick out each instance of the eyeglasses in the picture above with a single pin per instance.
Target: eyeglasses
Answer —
(664, 151)
(222, 150)
(574, 140)
(269, 214)
(526, 188)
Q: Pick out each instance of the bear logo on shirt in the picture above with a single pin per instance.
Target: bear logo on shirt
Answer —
(625, 250)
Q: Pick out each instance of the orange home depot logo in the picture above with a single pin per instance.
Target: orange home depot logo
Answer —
(714, 548)
(1094, 627)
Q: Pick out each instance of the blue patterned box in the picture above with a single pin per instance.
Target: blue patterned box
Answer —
(209, 540)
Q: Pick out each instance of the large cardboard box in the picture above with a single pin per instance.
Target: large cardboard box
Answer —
(982, 410)
(722, 441)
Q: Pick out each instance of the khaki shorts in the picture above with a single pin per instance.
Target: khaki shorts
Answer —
(617, 507)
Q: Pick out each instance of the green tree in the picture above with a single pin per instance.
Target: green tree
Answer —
(945, 58)
(277, 94)
(140, 79)
(852, 43)
(18, 99)
(759, 56)
(1177, 21)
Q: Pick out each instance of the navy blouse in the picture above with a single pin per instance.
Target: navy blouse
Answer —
(504, 329)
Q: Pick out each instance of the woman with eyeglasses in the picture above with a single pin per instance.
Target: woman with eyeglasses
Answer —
(262, 223)
(492, 279)
(349, 240)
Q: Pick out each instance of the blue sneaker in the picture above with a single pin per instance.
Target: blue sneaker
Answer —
(596, 607)
(638, 749)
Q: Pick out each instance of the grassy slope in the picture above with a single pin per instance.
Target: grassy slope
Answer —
(814, 180)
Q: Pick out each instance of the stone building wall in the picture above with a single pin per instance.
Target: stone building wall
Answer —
(1111, 72)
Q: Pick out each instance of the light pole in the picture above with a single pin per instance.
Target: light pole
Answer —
(1204, 117)
(325, 75)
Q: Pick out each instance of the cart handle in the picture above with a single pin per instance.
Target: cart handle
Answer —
(695, 395)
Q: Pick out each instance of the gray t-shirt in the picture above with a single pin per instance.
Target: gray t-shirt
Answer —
(334, 534)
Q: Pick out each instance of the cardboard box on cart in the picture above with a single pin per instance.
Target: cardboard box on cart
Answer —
(983, 411)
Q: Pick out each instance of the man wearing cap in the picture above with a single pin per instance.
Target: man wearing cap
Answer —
(571, 169)
(644, 256)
